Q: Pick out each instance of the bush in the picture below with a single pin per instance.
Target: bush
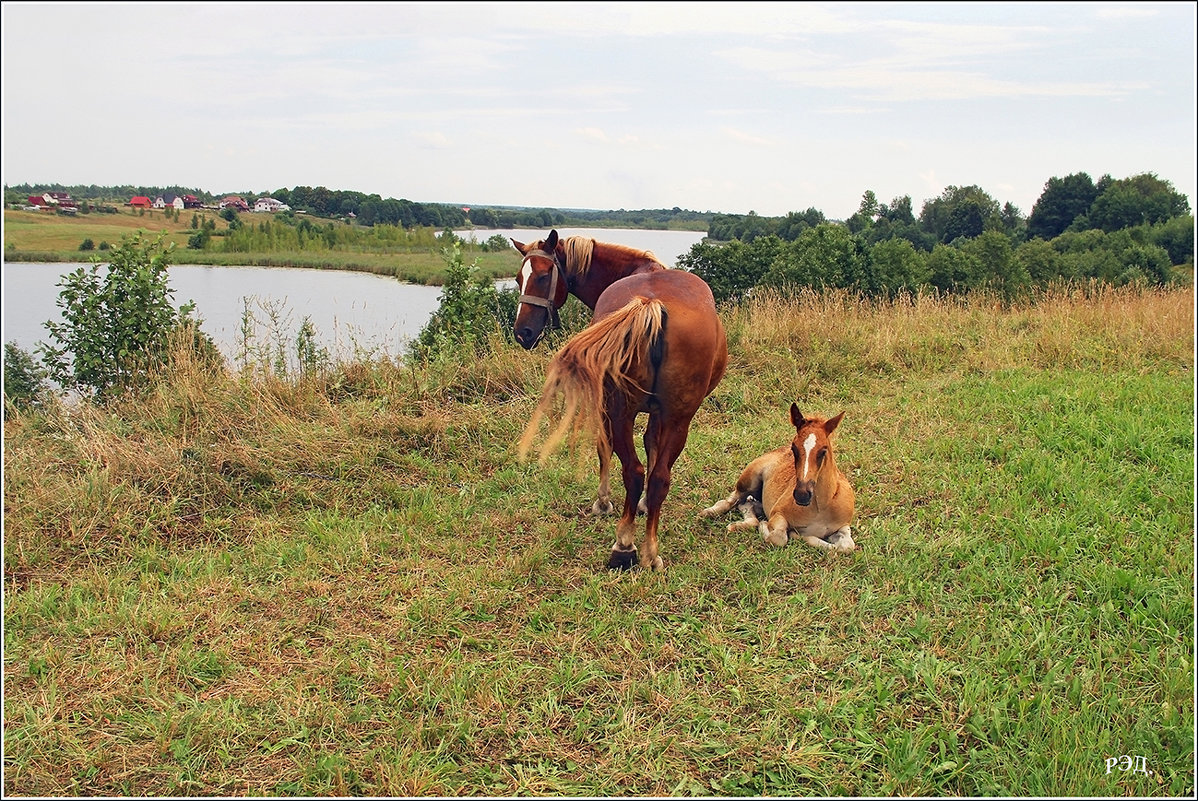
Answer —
(116, 327)
(87, 244)
(496, 244)
(199, 241)
(731, 270)
(471, 310)
(24, 380)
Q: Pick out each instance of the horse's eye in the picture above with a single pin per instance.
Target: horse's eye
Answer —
(819, 458)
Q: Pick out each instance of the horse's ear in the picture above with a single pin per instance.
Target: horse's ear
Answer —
(796, 416)
(520, 246)
(830, 426)
(551, 241)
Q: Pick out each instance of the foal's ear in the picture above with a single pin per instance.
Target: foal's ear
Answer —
(830, 426)
(551, 241)
(520, 246)
(796, 416)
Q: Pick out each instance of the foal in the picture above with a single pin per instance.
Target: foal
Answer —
(799, 487)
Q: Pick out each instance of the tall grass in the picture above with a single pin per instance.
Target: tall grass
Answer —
(345, 583)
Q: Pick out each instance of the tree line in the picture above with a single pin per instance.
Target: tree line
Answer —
(1136, 229)
(373, 209)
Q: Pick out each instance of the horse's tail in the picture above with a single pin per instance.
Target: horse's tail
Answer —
(610, 349)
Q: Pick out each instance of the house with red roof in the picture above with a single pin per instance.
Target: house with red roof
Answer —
(141, 202)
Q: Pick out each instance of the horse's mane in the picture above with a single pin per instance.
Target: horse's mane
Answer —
(579, 250)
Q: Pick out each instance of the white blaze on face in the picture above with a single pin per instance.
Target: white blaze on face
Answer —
(525, 274)
(808, 444)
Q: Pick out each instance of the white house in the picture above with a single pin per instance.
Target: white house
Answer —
(269, 204)
(174, 201)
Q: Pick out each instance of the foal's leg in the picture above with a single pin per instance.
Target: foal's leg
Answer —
(623, 552)
(749, 487)
(773, 531)
(842, 539)
(749, 510)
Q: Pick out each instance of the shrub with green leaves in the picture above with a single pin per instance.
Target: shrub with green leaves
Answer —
(116, 324)
(24, 379)
(471, 310)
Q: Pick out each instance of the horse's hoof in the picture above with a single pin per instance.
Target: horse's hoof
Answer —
(602, 508)
(842, 541)
(622, 560)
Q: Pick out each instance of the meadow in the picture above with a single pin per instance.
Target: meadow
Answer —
(44, 237)
(345, 583)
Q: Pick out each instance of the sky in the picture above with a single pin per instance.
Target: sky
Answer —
(706, 106)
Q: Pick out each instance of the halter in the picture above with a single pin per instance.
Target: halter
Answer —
(534, 300)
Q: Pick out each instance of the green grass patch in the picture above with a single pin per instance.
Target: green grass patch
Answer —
(346, 584)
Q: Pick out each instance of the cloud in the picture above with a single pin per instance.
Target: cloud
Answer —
(902, 79)
(747, 138)
(594, 134)
(432, 140)
(1125, 12)
(933, 184)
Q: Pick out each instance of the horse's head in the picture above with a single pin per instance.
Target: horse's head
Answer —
(543, 288)
(812, 450)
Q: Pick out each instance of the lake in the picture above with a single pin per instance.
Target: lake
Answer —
(665, 245)
(351, 312)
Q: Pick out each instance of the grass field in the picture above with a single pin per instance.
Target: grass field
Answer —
(41, 236)
(44, 232)
(347, 584)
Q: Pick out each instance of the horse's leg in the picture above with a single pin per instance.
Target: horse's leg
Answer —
(842, 539)
(749, 487)
(773, 531)
(671, 438)
(750, 510)
(624, 552)
(650, 456)
(603, 504)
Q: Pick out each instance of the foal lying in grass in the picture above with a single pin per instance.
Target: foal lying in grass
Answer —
(800, 487)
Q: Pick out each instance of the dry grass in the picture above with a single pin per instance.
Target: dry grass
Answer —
(45, 231)
(1089, 326)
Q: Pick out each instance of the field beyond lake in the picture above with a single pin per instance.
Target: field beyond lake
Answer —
(345, 583)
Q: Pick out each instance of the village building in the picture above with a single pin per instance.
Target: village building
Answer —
(234, 201)
(173, 201)
(60, 201)
(269, 204)
(141, 202)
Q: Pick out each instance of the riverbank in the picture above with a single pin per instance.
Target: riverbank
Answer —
(410, 256)
(427, 268)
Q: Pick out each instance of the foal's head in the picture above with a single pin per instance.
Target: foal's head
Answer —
(812, 450)
(543, 288)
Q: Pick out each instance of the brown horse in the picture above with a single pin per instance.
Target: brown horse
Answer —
(656, 345)
(799, 487)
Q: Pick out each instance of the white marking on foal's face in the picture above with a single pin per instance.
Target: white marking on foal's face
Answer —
(524, 275)
(808, 444)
